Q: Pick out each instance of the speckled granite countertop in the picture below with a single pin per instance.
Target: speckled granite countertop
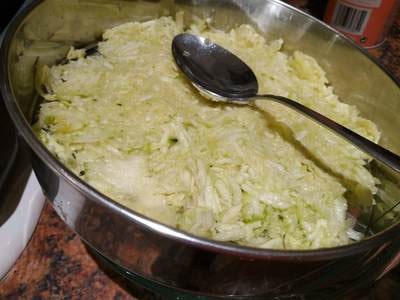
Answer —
(57, 265)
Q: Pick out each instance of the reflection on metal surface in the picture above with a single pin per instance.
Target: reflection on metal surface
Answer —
(14, 166)
(43, 32)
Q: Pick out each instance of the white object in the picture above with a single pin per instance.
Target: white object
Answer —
(16, 232)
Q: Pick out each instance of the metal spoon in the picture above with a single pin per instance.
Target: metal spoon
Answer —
(220, 75)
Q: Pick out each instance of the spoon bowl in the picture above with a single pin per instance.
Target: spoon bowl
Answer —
(213, 69)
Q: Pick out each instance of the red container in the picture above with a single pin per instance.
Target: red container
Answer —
(365, 21)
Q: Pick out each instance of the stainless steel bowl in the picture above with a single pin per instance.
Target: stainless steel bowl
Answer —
(43, 32)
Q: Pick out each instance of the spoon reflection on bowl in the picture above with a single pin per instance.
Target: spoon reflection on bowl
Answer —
(219, 75)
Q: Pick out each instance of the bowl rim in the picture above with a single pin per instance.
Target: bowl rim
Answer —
(25, 130)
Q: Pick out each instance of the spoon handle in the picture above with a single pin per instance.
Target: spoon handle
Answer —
(379, 153)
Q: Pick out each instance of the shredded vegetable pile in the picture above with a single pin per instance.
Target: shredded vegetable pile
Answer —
(128, 122)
